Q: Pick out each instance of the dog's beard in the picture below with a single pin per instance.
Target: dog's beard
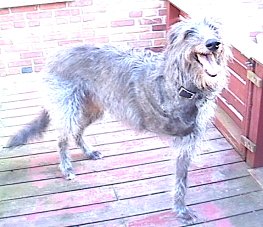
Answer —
(206, 82)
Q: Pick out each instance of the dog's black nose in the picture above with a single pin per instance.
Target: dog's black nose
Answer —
(212, 44)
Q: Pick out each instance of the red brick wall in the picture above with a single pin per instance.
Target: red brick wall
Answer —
(30, 33)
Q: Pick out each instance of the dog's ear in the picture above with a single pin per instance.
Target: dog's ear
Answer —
(172, 37)
(173, 34)
(178, 33)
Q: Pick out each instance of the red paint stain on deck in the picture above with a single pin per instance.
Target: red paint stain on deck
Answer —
(211, 211)
(164, 219)
(224, 223)
(32, 217)
(41, 184)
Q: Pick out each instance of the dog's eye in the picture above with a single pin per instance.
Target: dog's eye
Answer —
(213, 27)
(189, 33)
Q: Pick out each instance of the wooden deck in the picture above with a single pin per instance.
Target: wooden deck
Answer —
(130, 186)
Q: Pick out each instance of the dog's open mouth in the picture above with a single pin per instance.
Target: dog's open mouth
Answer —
(208, 62)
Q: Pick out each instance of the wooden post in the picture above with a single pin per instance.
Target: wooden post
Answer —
(173, 14)
(255, 132)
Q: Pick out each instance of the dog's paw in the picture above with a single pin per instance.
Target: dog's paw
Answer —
(186, 215)
(67, 172)
(94, 155)
(70, 176)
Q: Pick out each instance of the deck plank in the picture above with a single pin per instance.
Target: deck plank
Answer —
(56, 201)
(120, 147)
(94, 213)
(218, 209)
(251, 219)
(17, 105)
(115, 176)
(103, 143)
(26, 111)
(211, 191)
(86, 166)
(38, 160)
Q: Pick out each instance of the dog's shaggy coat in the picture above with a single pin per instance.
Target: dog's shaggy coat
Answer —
(171, 93)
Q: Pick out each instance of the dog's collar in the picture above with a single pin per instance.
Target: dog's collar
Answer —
(183, 92)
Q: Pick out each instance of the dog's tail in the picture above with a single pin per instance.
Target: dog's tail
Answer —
(31, 131)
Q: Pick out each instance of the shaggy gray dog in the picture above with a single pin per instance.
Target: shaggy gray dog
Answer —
(171, 93)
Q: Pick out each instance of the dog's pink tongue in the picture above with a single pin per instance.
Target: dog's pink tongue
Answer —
(209, 64)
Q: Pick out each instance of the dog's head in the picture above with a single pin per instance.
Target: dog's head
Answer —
(202, 51)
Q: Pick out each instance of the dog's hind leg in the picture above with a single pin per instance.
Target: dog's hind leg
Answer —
(87, 149)
(88, 113)
(65, 163)
(187, 146)
(74, 124)
(74, 114)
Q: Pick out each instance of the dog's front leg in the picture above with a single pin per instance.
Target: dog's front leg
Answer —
(186, 147)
